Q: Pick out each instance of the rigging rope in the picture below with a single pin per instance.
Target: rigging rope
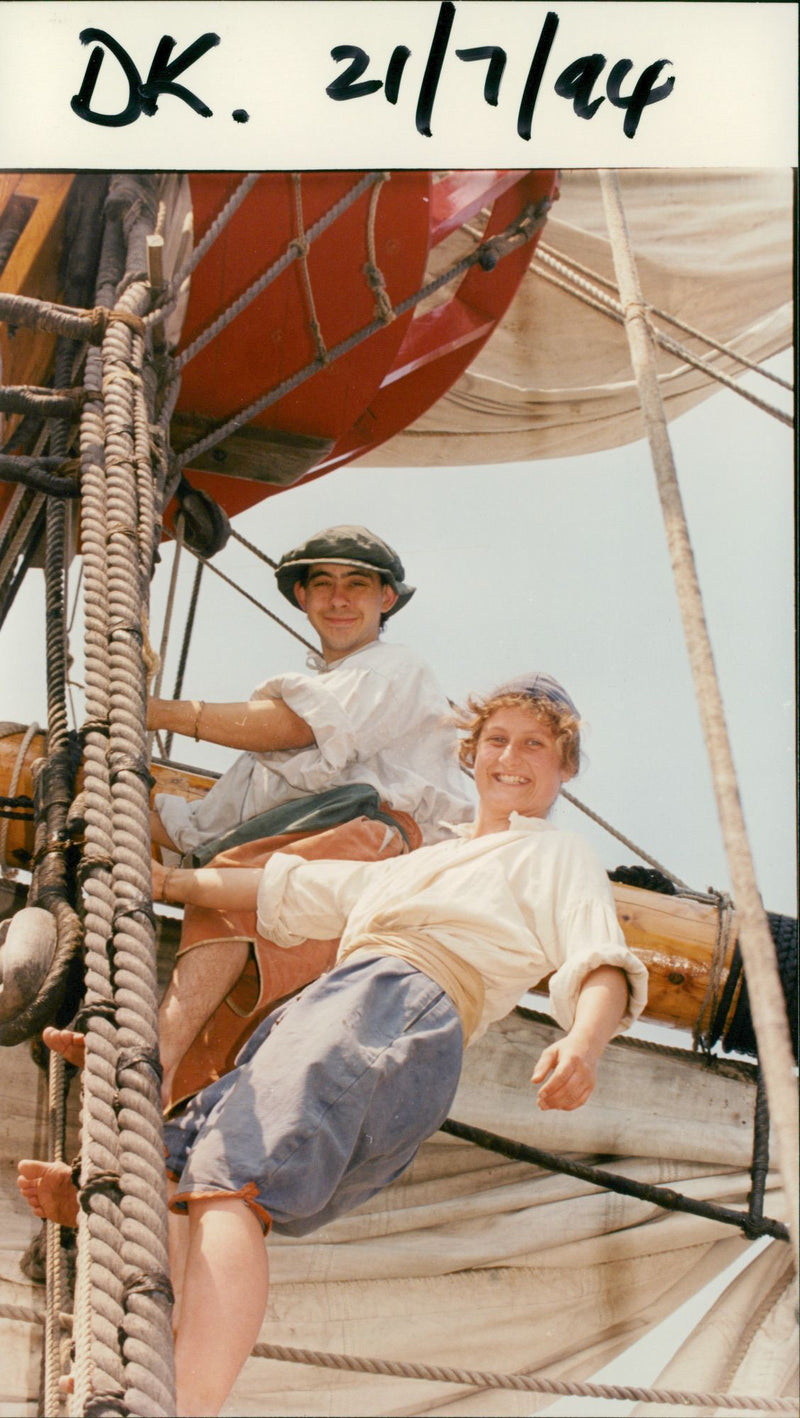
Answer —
(607, 306)
(768, 1008)
(486, 255)
(664, 1197)
(626, 841)
(560, 261)
(99, 1297)
(251, 546)
(282, 623)
(177, 689)
(526, 1383)
(294, 251)
(438, 1373)
(301, 247)
(167, 626)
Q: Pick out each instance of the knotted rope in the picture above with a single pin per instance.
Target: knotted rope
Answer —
(486, 255)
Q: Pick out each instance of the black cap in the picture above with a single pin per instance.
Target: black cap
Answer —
(538, 685)
(346, 546)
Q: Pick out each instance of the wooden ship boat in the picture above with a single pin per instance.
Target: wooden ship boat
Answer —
(307, 321)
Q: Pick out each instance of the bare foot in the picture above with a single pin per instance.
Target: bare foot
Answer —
(67, 1042)
(49, 1190)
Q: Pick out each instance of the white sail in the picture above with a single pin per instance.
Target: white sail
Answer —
(477, 1262)
(713, 248)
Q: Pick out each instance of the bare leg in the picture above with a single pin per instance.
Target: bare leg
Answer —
(49, 1190)
(225, 1296)
(200, 981)
(67, 1042)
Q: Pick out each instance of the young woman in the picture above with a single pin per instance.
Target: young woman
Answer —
(336, 1090)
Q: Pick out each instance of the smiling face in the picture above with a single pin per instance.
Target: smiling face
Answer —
(344, 604)
(518, 768)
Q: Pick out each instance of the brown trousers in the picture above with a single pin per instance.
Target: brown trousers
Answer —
(272, 974)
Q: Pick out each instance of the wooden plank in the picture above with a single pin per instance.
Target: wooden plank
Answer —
(33, 269)
(253, 452)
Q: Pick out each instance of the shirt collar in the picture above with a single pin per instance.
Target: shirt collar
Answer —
(516, 823)
(315, 661)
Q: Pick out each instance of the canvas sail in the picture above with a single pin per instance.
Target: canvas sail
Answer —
(713, 247)
(474, 1261)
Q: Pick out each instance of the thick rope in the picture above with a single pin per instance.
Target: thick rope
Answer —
(63, 320)
(99, 1290)
(527, 1383)
(44, 403)
(56, 1122)
(663, 1197)
(149, 1384)
(755, 940)
(51, 476)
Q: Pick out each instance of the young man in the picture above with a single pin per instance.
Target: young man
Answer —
(335, 1092)
(369, 719)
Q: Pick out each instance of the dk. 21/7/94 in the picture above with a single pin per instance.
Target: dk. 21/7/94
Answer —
(575, 83)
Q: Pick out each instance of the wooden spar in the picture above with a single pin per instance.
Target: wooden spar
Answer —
(674, 936)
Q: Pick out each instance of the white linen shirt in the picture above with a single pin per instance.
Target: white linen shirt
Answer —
(515, 905)
(378, 717)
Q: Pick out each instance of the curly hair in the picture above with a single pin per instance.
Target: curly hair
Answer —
(562, 723)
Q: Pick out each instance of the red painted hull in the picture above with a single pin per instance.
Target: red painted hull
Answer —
(384, 383)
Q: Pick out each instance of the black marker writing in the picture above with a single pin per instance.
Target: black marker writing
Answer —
(577, 81)
(143, 96)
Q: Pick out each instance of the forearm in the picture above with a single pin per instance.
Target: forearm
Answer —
(601, 1005)
(572, 1061)
(159, 833)
(234, 889)
(260, 725)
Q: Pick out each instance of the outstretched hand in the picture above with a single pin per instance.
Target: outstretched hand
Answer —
(573, 1071)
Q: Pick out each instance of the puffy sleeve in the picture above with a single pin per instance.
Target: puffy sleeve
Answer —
(299, 900)
(585, 930)
(591, 936)
(223, 807)
(362, 706)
